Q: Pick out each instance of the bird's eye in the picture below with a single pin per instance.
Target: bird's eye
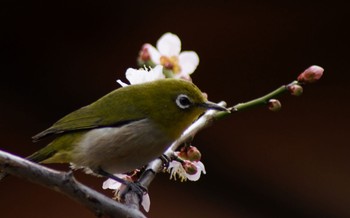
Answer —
(183, 101)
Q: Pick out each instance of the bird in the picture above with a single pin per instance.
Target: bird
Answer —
(125, 129)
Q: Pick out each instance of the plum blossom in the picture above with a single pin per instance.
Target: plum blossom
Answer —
(117, 186)
(142, 75)
(176, 169)
(168, 54)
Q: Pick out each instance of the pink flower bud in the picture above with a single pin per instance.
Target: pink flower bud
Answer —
(144, 54)
(274, 105)
(311, 74)
(189, 167)
(295, 90)
(182, 154)
(193, 154)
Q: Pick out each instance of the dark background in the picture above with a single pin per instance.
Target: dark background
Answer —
(59, 56)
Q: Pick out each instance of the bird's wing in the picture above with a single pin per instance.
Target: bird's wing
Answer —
(97, 114)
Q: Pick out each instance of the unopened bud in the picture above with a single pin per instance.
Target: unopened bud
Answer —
(144, 53)
(295, 90)
(311, 74)
(193, 154)
(189, 167)
(182, 154)
(274, 105)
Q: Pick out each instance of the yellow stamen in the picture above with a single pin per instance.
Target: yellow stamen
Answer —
(171, 63)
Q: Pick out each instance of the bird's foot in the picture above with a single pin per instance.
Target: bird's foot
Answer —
(133, 187)
(129, 186)
(165, 160)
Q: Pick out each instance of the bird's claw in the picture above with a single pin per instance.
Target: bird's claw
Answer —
(129, 186)
(134, 187)
(165, 160)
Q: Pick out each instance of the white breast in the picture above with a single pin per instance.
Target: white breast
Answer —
(120, 149)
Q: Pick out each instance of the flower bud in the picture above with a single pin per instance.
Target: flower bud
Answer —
(295, 90)
(182, 154)
(144, 53)
(274, 105)
(193, 154)
(189, 167)
(311, 74)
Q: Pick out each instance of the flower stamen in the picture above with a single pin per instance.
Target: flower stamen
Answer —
(171, 63)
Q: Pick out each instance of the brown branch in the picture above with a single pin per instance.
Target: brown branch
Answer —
(66, 184)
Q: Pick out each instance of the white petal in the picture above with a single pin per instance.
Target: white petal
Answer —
(106, 184)
(156, 73)
(142, 75)
(135, 76)
(200, 169)
(146, 202)
(176, 169)
(154, 53)
(194, 177)
(169, 45)
(188, 61)
(200, 166)
(111, 184)
(123, 84)
(183, 76)
(173, 164)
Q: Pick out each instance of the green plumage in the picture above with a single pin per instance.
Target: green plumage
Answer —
(127, 104)
(131, 124)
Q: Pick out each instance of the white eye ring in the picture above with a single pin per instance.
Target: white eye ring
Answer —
(183, 101)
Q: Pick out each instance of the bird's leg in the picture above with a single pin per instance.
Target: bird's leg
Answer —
(135, 187)
(165, 160)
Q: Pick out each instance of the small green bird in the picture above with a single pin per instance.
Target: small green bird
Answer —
(125, 129)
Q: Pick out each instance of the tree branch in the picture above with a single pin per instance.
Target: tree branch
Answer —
(66, 184)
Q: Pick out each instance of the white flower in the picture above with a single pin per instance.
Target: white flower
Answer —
(176, 169)
(168, 54)
(142, 75)
(116, 186)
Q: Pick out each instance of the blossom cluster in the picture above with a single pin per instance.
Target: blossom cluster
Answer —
(164, 61)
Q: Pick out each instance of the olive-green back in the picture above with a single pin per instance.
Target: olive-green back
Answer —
(148, 100)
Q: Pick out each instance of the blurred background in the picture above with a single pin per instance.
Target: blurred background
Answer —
(57, 56)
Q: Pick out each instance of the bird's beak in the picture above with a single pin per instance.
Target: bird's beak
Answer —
(213, 106)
